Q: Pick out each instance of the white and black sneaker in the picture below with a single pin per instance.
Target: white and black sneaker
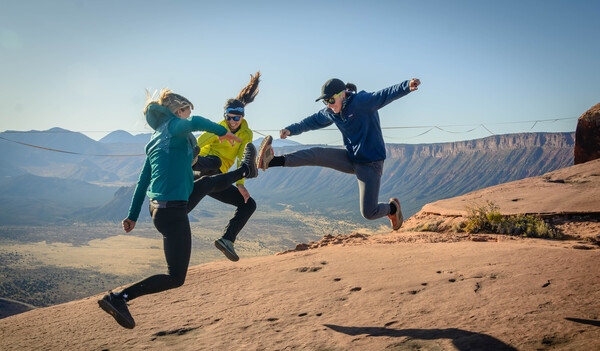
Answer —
(116, 306)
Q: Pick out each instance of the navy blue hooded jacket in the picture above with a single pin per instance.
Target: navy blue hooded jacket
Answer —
(358, 121)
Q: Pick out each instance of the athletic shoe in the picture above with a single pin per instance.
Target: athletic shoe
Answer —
(116, 306)
(265, 153)
(396, 218)
(226, 247)
(249, 159)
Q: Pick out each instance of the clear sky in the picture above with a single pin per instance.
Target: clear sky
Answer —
(85, 65)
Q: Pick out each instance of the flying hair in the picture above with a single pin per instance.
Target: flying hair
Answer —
(151, 99)
(168, 99)
(248, 94)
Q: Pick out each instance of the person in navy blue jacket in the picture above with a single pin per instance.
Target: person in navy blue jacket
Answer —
(356, 116)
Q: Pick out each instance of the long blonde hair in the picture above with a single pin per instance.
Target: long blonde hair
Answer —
(168, 99)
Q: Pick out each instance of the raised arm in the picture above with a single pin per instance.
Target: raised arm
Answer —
(383, 97)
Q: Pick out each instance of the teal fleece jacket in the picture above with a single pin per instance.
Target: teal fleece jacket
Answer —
(167, 174)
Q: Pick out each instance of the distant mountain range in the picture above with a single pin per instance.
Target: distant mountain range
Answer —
(68, 185)
(420, 174)
(121, 136)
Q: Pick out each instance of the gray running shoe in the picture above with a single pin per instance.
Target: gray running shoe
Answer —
(396, 218)
(265, 153)
(116, 306)
(249, 159)
(226, 247)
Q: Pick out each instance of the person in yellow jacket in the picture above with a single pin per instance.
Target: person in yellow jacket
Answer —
(216, 157)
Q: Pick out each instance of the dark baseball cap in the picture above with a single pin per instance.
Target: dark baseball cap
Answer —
(330, 88)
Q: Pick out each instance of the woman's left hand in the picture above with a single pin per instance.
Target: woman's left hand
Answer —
(244, 192)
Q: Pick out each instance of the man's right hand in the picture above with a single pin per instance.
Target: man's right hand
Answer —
(284, 133)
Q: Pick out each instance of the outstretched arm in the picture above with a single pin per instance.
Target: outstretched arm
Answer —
(383, 97)
(195, 124)
(316, 121)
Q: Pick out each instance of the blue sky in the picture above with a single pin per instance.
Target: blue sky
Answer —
(85, 65)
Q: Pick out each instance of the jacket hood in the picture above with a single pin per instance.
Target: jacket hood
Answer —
(156, 118)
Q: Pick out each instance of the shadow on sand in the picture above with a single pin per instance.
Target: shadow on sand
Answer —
(584, 321)
(463, 340)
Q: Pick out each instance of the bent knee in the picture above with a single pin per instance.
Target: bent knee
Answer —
(369, 214)
(250, 205)
(177, 282)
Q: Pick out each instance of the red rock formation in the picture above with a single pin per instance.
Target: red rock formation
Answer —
(587, 136)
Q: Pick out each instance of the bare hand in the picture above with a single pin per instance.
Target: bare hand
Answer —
(414, 83)
(284, 133)
(244, 192)
(231, 138)
(128, 225)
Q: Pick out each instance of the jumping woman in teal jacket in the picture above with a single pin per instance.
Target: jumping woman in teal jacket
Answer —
(168, 181)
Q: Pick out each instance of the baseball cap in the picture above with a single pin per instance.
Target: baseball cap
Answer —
(330, 88)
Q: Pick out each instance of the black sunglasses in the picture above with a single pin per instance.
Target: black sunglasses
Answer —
(235, 118)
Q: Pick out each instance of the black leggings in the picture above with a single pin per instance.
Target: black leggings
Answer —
(173, 223)
(209, 165)
(242, 214)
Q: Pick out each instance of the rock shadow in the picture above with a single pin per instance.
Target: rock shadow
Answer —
(463, 340)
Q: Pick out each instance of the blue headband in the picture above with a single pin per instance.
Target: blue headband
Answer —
(237, 109)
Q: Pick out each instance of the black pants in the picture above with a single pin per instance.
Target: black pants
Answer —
(242, 214)
(173, 223)
(209, 165)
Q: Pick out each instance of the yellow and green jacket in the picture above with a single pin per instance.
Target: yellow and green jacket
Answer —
(209, 145)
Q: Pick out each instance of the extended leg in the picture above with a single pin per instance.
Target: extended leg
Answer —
(320, 156)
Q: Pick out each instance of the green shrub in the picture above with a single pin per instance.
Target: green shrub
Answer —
(427, 227)
(487, 219)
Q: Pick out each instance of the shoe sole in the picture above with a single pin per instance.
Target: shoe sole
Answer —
(108, 308)
(267, 141)
(226, 252)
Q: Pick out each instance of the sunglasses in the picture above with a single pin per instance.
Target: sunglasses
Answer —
(235, 118)
(331, 100)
